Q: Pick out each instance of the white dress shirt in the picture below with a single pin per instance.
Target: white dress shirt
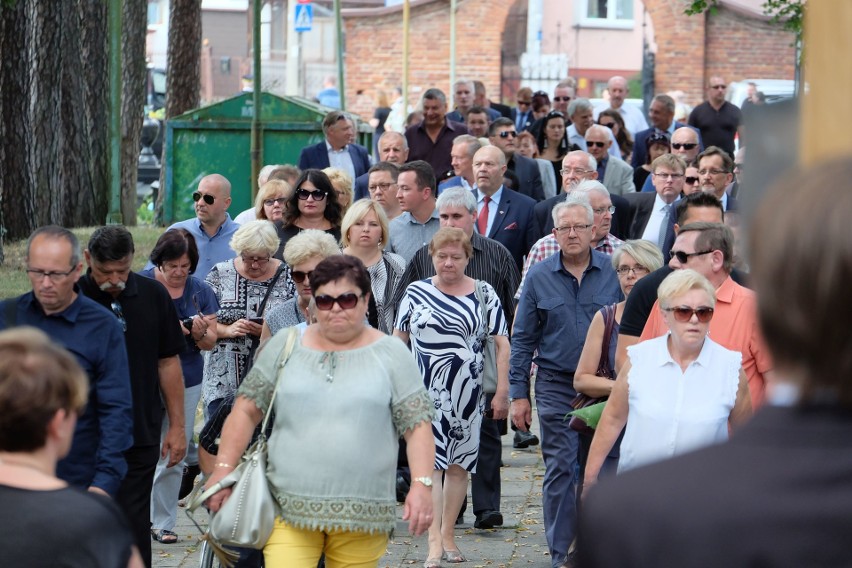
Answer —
(341, 159)
(493, 206)
(658, 216)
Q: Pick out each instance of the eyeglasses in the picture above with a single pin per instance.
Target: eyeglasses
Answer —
(718, 86)
(684, 314)
(690, 180)
(685, 145)
(380, 186)
(683, 257)
(299, 276)
(637, 270)
(119, 313)
(260, 261)
(602, 210)
(208, 199)
(317, 194)
(591, 143)
(279, 200)
(52, 275)
(578, 171)
(524, 103)
(346, 301)
(609, 125)
(508, 134)
(576, 228)
(711, 172)
(561, 99)
(669, 176)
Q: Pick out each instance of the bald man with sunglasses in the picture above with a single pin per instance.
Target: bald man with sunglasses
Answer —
(708, 248)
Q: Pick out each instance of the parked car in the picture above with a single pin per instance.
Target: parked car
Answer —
(774, 90)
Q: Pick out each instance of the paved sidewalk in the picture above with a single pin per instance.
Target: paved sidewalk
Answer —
(520, 542)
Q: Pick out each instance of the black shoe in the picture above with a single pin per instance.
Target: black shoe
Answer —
(488, 520)
(402, 488)
(187, 483)
(524, 440)
(460, 520)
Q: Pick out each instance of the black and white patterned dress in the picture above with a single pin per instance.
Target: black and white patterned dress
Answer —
(445, 333)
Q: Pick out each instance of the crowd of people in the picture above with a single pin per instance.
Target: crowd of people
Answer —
(491, 262)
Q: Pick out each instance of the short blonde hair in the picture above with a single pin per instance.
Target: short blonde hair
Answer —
(309, 244)
(267, 191)
(449, 236)
(645, 253)
(680, 282)
(671, 161)
(340, 181)
(358, 211)
(256, 236)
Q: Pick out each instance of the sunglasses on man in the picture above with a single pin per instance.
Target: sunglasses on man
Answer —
(208, 199)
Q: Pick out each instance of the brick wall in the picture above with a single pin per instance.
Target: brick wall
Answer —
(729, 43)
(374, 49)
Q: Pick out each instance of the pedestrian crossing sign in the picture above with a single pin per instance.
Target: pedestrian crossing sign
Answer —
(304, 17)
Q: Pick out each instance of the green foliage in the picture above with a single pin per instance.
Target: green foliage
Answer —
(145, 213)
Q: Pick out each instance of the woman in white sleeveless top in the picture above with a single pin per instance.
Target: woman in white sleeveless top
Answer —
(680, 391)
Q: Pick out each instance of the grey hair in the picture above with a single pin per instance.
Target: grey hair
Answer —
(56, 232)
(580, 104)
(435, 95)
(587, 186)
(573, 201)
(263, 175)
(593, 163)
(473, 143)
(457, 197)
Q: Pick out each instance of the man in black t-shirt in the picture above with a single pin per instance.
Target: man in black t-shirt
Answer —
(153, 338)
(718, 120)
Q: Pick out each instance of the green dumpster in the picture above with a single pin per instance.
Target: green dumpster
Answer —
(217, 139)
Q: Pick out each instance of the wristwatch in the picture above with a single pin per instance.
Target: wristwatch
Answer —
(427, 481)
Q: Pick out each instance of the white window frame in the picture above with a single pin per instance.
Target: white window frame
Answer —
(610, 22)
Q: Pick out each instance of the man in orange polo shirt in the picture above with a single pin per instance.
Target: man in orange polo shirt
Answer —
(708, 249)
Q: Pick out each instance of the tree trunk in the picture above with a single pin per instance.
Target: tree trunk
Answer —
(133, 80)
(53, 114)
(183, 75)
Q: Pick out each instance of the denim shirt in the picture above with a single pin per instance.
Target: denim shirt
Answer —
(554, 314)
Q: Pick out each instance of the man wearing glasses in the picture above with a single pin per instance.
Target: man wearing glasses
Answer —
(708, 248)
(652, 212)
(393, 148)
(718, 120)
(582, 118)
(522, 114)
(153, 339)
(503, 134)
(561, 295)
(212, 226)
(382, 187)
(93, 334)
(715, 174)
(614, 173)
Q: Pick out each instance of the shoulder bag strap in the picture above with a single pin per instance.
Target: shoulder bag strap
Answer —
(262, 305)
(11, 312)
(282, 360)
(609, 323)
(480, 297)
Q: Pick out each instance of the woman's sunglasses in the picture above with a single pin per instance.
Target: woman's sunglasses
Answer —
(346, 301)
(303, 194)
(683, 314)
(299, 276)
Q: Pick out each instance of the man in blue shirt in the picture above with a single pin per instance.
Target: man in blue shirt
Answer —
(212, 226)
(560, 296)
(55, 305)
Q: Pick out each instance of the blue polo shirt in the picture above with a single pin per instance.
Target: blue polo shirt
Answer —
(105, 429)
(554, 314)
(211, 250)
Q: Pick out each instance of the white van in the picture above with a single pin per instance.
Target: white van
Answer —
(775, 90)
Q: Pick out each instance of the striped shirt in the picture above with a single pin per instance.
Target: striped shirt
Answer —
(548, 245)
(491, 262)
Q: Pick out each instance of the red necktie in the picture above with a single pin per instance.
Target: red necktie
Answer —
(482, 220)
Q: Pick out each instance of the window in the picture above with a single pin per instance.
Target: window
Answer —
(153, 13)
(607, 13)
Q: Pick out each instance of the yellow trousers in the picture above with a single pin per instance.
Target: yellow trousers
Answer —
(291, 547)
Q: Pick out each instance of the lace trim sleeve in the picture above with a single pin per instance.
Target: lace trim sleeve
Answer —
(257, 388)
(412, 410)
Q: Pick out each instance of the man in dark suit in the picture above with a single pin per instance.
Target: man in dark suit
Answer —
(464, 148)
(778, 493)
(651, 213)
(661, 115)
(335, 150)
(715, 174)
(522, 114)
(480, 98)
(502, 214)
(578, 166)
(503, 134)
